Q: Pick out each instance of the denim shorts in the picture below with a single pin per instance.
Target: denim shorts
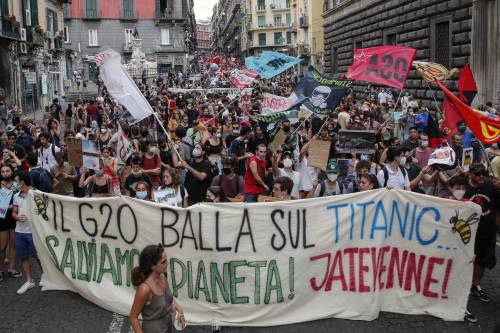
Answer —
(24, 246)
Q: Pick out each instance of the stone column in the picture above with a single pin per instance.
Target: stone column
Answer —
(479, 41)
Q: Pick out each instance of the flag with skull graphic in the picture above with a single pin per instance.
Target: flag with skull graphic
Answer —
(322, 94)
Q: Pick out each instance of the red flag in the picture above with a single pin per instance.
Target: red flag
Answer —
(467, 88)
(387, 65)
(484, 126)
(451, 118)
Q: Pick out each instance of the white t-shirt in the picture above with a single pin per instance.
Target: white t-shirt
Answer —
(295, 177)
(307, 175)
(396, 179)
(46, 157)
(382, 97)
(21, 201)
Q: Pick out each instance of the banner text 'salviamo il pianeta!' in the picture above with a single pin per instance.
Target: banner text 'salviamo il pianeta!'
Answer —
(263, 264)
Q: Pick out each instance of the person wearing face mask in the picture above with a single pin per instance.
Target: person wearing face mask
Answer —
(235, 132)
(232, 185)
(238, 148)
(142, 191)
(423, 151)
(135, 176)
(198, 174)
(329, 186)
(393, 174)
(214, 147)
(287, 171)
(151, 163)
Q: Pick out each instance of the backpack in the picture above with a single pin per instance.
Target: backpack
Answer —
(386, 173)
(44, 179)
(322, 188)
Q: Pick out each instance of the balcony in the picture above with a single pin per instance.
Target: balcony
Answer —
(304, 22)
(279, 6)
(169, 15)
(10, 29)
(271, 26)
(260, 8)
(128, 15)
(56, 44)
(91, 14)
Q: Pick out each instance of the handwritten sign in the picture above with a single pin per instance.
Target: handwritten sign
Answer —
(347, 256)
(5, 197)
(318, 154)
(467, 158)
(75, 153)
(279, 139)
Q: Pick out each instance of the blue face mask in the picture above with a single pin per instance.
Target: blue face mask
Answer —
(363, 157)
(141, 194)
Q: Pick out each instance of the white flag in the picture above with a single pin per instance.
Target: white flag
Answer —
(124, 147)
(121, 86)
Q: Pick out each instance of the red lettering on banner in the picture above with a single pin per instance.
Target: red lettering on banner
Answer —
(415, 273)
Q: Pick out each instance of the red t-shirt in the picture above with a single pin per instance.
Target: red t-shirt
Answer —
(150, 164)
(251, 186)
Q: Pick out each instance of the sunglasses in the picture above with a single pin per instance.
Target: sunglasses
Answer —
(480, 173)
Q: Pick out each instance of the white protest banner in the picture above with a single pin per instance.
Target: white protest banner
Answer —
(228, 91)
(5, 196)
(273, 103)
(124, 146)
(242, 78)
(121, 86)
(346, 256)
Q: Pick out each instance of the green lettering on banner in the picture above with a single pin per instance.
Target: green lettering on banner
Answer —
(199, 276)
(272, 271)
(130, 264)
(177, 286)
(235, 299)
(82, 249)
(93, 256)
(190, 279)
(121, 259)
(48, 240)
(68, 255)
(222, 283)
(105, 254)
(258, 265)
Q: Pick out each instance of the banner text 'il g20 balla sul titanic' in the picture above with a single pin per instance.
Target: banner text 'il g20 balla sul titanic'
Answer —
(263, 264)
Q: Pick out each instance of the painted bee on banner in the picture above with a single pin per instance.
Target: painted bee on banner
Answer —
(41, 206)
(463, 226)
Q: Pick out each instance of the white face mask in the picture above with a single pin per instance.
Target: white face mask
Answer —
(287, 163)
(458, 194)
(402, 161)
(196, 153)
(425, 144)
(332, 177)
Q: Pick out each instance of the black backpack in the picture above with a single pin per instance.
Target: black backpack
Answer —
(222, 194)
(386, 173)
(322, 188)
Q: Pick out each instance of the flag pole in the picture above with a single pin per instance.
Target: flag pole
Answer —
(397, 100)
(486, 157)
(300, 125)
(433, 96)
(167, 134)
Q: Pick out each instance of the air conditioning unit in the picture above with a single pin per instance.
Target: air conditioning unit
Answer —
(23, 34)
(23, 48)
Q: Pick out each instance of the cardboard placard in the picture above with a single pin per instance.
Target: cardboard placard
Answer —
(357, 141)
(318, 154)
(75, 153)
(266, 198)
(279, 139)
(467, 158)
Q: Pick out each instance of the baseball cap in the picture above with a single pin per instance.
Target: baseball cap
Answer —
(332, 167)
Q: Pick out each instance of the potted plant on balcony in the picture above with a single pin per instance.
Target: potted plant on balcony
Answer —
(9, 18)
(38, 29)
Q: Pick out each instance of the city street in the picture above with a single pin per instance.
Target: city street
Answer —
(62, 311)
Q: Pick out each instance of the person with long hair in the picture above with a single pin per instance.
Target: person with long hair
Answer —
(153, 297)
(176, 193)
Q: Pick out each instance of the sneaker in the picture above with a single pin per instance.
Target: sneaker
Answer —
(25, 287)
(40, 283)
(2, 276)
(479, 293)
(15, 274)
(470, 317)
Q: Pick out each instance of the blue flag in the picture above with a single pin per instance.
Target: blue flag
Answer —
(270, 63)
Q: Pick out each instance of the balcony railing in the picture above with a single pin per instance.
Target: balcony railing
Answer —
(129, 14)
(169, 15)
(10, 29)
(260, 8)
(91, 14)
(279, 6)
(56, 44)
(271, 26)
(34, 37)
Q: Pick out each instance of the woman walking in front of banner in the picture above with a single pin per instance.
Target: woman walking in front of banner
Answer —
(153, 298)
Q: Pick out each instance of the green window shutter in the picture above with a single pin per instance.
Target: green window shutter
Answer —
(158, 9)
(4, 7)
(184, 8)
(261, 21)
(55, 22)
(289, 37)
(288, 19)
(34, 12)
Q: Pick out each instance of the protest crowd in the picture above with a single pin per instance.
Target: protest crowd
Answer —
(243, 146)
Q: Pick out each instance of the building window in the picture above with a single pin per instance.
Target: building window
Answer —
(289, 37)
(261, 21)
(93, 37)
(128, 9)
(287, 3)
(358, 45)
(278, 38)
(262, 39)
(391, 39)
(261, 5)
(129, 33)
(165, 37)
(91, 9)
(30, 12)
(335, 60)
(277, 20)
(66, 35)
(442, 43)
(288, 19)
